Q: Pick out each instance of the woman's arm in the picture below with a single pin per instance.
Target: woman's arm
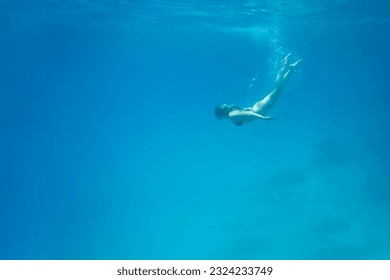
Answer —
(242, 115)
(260, 116)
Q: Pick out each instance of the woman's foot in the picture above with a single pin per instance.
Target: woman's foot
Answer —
(294, 65)
(285, 60)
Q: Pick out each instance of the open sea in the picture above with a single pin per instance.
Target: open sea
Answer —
(110, 149)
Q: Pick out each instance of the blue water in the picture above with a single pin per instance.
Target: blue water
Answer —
(109, 147)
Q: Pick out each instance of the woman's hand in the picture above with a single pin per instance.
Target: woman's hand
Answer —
(269, 118)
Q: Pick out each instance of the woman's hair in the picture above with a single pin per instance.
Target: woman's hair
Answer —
(222, 111)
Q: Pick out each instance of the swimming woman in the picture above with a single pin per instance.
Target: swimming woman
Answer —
(239, 116)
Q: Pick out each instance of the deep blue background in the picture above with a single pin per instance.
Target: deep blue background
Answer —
(109, 148)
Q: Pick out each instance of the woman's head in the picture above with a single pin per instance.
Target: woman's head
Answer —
(222, 111)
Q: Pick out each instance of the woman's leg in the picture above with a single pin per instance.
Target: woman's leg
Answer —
(263, 106)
